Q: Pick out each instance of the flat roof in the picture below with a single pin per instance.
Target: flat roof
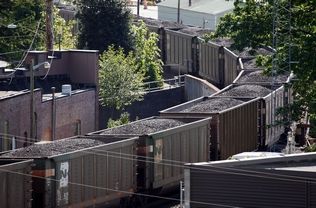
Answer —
(49, 96)
(203, 6)
(7, 94)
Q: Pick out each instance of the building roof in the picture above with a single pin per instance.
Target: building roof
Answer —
(203, 6)
(303, 162)
(7, 94)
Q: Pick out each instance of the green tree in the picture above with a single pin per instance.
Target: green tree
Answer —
(251, 25)
(124, 119)
(147, 53)
(120, 82)
(63, 31)
(26, 15)
(103, 23)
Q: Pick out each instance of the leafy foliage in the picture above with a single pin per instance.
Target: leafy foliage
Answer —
(251, 25)
(103, 23)
(26, 15)
(124, 119)
(147, 53)
(64, 32)
(120, 81)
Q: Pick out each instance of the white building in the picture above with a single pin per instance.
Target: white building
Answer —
(203, 13)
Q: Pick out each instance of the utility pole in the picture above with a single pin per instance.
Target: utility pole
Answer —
(49, 25)
(178, 13)
(32, 99)
(138, 3)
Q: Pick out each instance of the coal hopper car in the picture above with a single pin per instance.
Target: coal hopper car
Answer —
(164, 145)
(80, 172)
(15, 183)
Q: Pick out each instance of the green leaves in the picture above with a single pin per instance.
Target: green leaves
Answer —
(103, 23)
(147, 53)
(120, 81)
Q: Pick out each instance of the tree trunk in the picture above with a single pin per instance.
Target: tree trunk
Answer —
(49, 25)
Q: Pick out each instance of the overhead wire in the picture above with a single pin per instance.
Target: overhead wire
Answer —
(24, 55)
(116, 190)
(257, 174)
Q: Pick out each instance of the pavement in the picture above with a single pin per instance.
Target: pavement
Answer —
(150, 12)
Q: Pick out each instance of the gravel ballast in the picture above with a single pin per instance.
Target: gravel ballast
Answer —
(53, 148)
(258, 76)
(247, 91)
(213, 105)
(144, 127)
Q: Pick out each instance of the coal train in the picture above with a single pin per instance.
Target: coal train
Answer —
(146, 157)
(108, 168)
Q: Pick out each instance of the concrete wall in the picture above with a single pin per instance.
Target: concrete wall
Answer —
(80, 107)
(153, 103)
(195, 87)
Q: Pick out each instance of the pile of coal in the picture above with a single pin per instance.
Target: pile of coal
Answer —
(53, 148)
(213, 105)
(144, 127)
(247, 91)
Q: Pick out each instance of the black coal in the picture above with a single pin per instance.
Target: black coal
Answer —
(213, 105)
(54, 148)
(247, 91)
(144, 127)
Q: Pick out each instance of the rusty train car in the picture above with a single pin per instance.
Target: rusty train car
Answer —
(108, 168)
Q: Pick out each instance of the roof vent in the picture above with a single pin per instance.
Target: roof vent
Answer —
(66, 89)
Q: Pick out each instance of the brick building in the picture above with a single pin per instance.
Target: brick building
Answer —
(59, 116)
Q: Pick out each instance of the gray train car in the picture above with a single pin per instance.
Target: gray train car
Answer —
(231, 67)
(16, 183)
(180, 49)
(211, 62)
(235, 122)
(284, 182)
(276, 99)
(81, 172)
(164, 145)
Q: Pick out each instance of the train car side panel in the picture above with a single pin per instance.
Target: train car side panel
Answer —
(209, 62)
(15, 183)
(238, 129)
(273, 102)
(230, 67)
(167, 148)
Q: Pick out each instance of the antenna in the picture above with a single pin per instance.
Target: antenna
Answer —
(282, 43)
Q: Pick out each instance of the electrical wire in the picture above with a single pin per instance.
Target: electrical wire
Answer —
(115, 190)
(253, 173)
(11, 52)
(23, 56)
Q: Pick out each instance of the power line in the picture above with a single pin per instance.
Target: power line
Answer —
(116, 190)
(250, 173)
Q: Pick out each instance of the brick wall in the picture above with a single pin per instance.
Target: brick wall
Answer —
(79, 107)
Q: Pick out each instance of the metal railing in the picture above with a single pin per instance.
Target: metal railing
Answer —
(164, 84)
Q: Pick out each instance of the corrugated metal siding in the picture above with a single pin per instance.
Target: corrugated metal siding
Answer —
(209, 62)
(273, 102)
(231, 67)
(75, 176)
(244, 191)
(238, 130)
(16, 189)
(89, 177)
(180, 145)
(101, 169)
(179, 50)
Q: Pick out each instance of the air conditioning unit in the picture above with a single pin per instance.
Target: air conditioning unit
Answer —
(66, 89)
